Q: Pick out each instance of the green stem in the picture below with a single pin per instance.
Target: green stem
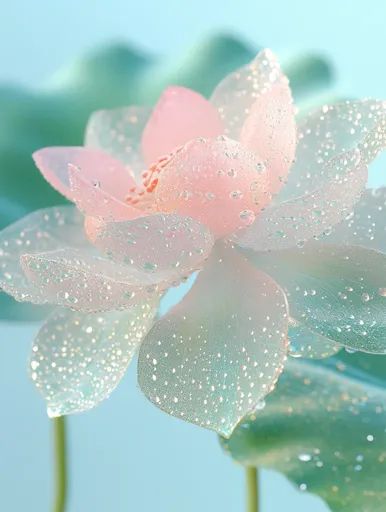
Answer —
(252, 479)
(60, 464)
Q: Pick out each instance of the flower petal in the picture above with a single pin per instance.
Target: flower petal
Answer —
(295, 221)
(270, 131)
(323, 428)
(46, 258)
(236, 93)
(329, 131)
(119, 132)
(97, 168)
(166, 246)
(215, 181)
(366, 225)
(43, 230)
(215, 356)
(308, 344)
(335, 291)
(93, 200)
(79, 359)
(86, 282)
(179, 116)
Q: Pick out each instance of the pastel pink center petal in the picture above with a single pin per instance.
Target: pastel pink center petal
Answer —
(179, 116)
(215, 181)
(270, 131)
(97, 167)
(93, 200)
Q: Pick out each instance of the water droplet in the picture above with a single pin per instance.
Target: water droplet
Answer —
(247, 216)
(236, 194)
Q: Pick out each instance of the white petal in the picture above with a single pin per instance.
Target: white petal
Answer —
(295, 221)
(118, 132)
(218, 353)
(78, 359)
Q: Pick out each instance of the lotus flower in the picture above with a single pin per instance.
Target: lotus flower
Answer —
(108, 78)
(232, 188)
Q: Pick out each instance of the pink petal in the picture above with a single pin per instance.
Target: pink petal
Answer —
(255, 104)
(167, 247)
(93, 200)
(179, 116)
(270, 131)
(220, 351)
(237, 92)
(97, 167)
(294, 221)
(215, 181)
(119, 133)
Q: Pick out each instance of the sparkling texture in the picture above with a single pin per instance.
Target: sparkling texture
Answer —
(213, 176)
(256, 106)
(324, 428)
(218, 353)
(334, 291)
(214, 181)
(236, 94)
(328, 132)
(46, 258)
(119, 132)
(168, 247)
(305, 343)
(293, 222)
(78, 359)
(366, 225)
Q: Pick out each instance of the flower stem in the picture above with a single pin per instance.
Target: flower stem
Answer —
(60, 464)
(252, 480)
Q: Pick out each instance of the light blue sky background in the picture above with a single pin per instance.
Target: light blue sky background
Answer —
(126, 455)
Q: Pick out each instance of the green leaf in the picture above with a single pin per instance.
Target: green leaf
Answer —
(324, 428)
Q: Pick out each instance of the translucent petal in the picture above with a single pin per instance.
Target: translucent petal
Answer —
(98, 168)
(236, 93)
(329, 131)
(166, 246)
(78, 359)
(215, 181)
(295, 221)
(119, 132)
(336, 291)
(366, 225)
(270, 131)
(84, 281)
(93, 199)
(46, 258)
(179, 116)
(305, 343)
(43, 230)
(219, 352)
(323, 428)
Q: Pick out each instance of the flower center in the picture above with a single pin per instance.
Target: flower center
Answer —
(142, 196)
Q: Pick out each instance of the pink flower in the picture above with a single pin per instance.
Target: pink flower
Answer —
(234, 188)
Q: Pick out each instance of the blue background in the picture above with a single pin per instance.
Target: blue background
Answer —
(126, 455)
